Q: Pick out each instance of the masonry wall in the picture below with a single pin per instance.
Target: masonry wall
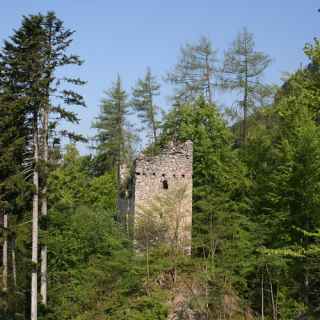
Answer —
(164, 183)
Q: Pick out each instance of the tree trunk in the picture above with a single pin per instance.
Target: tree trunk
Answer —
(245, 111)
(148, 267)
(152, 114)
(35, 217)
(208, 80)
(44, 209)
(14, 266)
(245, 100)
(274, 309)
(120, 149)
(262, 297)
(5, 252)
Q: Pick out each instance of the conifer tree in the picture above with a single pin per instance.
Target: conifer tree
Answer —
(195, 71)
(29, 63)
(22, 63)
(57, 41)
(12, 186)
(242, 69)
(113, 137)
(143, 102)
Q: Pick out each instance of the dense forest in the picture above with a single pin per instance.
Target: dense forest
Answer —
(65, 254)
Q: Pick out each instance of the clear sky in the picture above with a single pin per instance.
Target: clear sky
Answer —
(126, 36)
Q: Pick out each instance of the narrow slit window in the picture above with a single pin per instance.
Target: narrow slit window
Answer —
(165, 184)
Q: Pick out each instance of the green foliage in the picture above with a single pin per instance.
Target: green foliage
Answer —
(114, 137)
(93, 271)
(143, 103)
(193, 76)
(73, 185)
(79, 260)
(283, 157)
(256, 222)
(242, 69)
(146, 307)
(221, 228)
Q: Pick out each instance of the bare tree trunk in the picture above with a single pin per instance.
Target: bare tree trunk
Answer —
(35, 231)
(207, 290)
(148, 267)
(44, 209)
(245, 110)
(262, 297)
(245, 100)
(153, 121)
(5, 252)
(274, 310)
(14, 266)
(208, 79)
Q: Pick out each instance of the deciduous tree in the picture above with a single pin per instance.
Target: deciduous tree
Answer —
(242, 69)
(195, 72)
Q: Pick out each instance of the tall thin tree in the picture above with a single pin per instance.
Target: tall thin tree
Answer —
(242, 69)
(114, 136)
(22, 64)
(57, 41)
(144, 94)
(5, 252)
(29, 61)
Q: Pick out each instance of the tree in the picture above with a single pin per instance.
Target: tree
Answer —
(242, 70)
(30, 60)
(143, 102)
(22, 63)
(283, 161)
(113, 137)
(303, 86)
(57, 41)
(194, 73)
(14, 191)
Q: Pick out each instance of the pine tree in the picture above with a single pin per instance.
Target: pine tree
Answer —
(242, 70)
(143, 102)
(194, 74)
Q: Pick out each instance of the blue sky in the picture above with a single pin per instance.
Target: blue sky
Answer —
(127, 36)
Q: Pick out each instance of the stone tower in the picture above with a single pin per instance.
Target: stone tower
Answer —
(163, 186)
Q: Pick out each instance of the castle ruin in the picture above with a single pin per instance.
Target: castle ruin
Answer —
(163, 188)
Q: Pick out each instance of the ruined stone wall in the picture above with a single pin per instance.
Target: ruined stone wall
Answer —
(163, 183)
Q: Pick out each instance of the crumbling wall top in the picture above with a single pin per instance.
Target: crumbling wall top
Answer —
(170, 149)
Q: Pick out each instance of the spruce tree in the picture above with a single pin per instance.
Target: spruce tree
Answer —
(143, 102)
(57, 41)
(242, 69)
(30, 60)
(113, 137)
(22, 64)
